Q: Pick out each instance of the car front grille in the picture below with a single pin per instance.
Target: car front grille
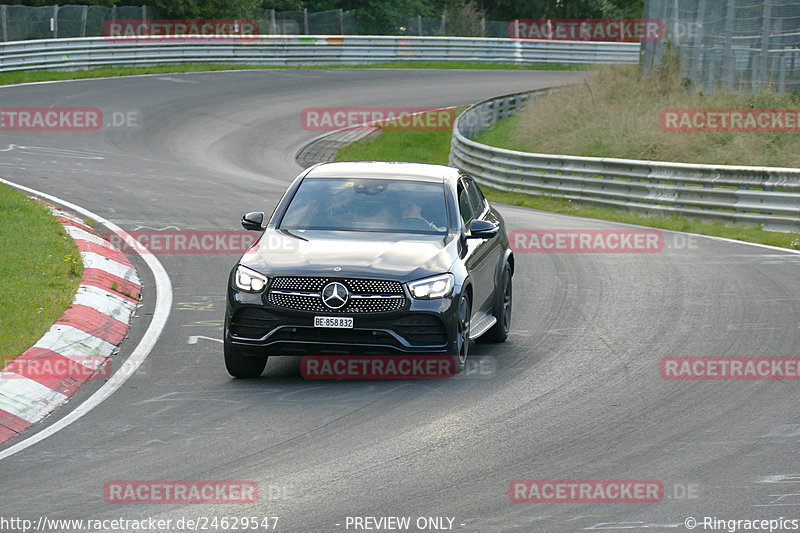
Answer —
(365, 295)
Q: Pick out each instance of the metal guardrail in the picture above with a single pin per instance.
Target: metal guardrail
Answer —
(756, 195)
(82, 53)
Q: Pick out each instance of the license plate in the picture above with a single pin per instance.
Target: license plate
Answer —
(333, 322)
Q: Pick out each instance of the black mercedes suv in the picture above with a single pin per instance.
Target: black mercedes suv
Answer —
(370, 257)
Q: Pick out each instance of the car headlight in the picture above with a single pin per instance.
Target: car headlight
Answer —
(247, 279)
(439, 286)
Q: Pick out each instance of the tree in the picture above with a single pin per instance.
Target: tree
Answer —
(204, 9)
(386, 16)
(464, 18)
(514, 9)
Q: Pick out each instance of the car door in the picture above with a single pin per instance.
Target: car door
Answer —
(480, 260)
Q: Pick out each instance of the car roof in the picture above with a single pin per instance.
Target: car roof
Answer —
(385, 170)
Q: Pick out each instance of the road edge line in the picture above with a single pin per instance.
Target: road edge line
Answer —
(163, 304)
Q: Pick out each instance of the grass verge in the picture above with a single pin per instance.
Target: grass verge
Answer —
(11, 78)
(434, 147)
(40, 270)
(616, 113)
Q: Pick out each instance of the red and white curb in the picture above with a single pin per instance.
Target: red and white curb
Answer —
(79, 345)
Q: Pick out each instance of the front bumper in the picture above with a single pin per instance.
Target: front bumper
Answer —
(421, 326)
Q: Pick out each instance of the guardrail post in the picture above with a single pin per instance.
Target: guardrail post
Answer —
(728, 62)
(273, 25)
(715, 57)
(763, 74)
(783, 58)
(676, 22)
(658, 48)
(3, 16)
(84, 13)
(54, 22)
(755, 71)
(341, 21)
(144, 13)
(696, 69)
(778, 42)
(305, 19)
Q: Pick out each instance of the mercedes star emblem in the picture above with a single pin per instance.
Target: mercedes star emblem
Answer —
(335, 295)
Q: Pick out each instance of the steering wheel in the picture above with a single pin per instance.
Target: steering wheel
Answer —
(415, 223)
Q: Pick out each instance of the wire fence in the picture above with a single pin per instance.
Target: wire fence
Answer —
(736, 45)
(433, 26)
(301, 22)
(20, 22)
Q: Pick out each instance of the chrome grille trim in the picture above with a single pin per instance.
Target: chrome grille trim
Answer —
(366, 295)
(295, 293)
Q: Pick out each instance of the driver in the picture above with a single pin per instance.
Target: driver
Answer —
(412, 210)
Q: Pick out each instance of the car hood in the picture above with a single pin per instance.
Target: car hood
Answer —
(400, 256)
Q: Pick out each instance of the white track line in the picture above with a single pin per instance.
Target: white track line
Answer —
(629, 225)
(139, 354)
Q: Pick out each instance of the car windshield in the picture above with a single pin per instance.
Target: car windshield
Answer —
(371, 204)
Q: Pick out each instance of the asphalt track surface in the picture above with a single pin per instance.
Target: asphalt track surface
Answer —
(575, 393)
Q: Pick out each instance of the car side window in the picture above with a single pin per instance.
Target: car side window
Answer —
(464, 204)
(476, 197)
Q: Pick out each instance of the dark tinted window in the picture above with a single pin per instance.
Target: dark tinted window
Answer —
(361, 204)
(476, 197)
(464, 204)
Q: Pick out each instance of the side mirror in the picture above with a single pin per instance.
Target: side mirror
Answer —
(482, 229)
(253, 221)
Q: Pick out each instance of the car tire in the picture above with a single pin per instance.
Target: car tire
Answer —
(502, 309)
(240, 365)
(459, 357)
